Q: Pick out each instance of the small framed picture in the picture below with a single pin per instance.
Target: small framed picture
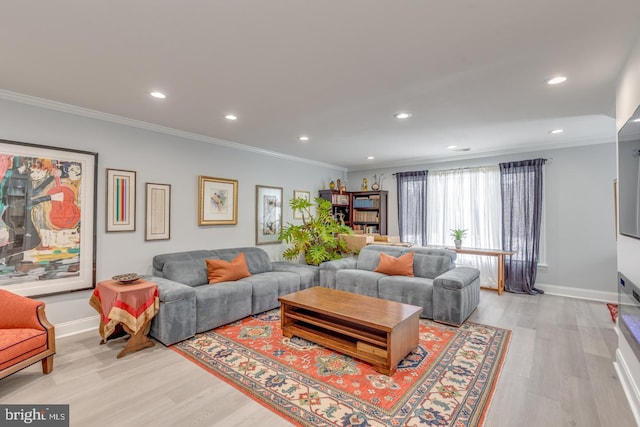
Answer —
(268, 214)
(217, 201)
(299, 194)
(158, 212)
(121, 200)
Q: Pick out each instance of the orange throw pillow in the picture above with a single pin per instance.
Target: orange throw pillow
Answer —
(401, 266)
(223, 271)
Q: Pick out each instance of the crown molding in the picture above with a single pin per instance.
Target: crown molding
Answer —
(479, 155)
(99, 115)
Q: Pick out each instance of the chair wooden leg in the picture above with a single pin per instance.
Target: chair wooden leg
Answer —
(47, 365)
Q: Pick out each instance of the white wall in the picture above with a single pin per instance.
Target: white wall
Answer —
(159, 158)
(579, 215)
(627, 100)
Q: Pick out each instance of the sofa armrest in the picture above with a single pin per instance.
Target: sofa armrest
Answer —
(169, 291)
(328, 270)
(457, 278)
(176, 317)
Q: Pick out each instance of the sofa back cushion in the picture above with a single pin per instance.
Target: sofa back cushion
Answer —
(431, 266)
(432, 262)
(190, 268)
(257, 259)
(369, 256)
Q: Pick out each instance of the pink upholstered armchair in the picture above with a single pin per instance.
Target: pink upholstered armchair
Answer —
(26, 337)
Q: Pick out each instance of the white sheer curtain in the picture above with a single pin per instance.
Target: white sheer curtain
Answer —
(469, 199)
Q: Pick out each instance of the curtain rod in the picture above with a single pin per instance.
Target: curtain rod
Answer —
(548, 160)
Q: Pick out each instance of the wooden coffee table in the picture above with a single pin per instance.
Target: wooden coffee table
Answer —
(375, 330)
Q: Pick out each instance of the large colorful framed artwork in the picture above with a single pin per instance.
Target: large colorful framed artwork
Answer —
(268, 214)
(217, 201)
(47, 223)
(121, 200)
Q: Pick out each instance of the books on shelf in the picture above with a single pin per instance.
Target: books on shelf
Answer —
(366, 202)
(340, 199)
(365, 216)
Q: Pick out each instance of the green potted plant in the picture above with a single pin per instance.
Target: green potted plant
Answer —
(457, 234)
(317, 237)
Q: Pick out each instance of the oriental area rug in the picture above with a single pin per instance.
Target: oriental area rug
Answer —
(448, 381)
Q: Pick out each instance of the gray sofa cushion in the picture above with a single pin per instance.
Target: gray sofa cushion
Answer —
(457, 278)
(361, 282)
(408, 290)
(329, 269)
(309, 274)
(188, 268)
(369, 256)
(219, 304)
(430, 266)
(257, 260)
(265, 292)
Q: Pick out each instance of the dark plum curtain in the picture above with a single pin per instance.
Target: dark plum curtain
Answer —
(412, 206)
(521, 184)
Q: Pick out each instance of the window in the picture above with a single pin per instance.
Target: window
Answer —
(468, 199)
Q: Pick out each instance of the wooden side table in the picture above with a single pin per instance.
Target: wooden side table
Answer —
(132, 305)
(500, 254)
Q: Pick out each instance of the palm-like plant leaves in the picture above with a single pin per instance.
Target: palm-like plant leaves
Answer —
(317, 236)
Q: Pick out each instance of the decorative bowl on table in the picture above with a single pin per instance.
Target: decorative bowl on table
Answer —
(127, 278)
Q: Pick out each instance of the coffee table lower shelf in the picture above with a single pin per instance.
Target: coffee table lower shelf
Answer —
(375, 355)
(383, 349)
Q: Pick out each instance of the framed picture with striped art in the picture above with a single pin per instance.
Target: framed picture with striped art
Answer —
(121, 200)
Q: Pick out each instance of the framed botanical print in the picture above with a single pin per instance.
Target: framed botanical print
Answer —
(298, 194)
(217, 201)
(47, 222)
(268, 214)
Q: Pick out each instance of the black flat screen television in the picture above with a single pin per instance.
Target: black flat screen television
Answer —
(629, 177)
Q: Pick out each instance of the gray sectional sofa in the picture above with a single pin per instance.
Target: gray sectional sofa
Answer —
(189, 305)
(446, 293)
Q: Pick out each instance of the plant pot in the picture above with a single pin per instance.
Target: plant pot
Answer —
(458, 243)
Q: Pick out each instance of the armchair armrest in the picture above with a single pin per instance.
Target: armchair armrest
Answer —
(17, 311)
(328, 270)
(457, 278)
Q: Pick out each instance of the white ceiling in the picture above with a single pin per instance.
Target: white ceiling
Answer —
(472, 72)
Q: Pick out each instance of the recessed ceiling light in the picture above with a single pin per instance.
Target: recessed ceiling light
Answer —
(452, 147)
(158, 95)
(402, 116)
(303, 138)
(231, 117)
(557, 80)
(555, 131)
(370, 158)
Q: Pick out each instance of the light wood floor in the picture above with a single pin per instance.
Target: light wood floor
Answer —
(558, 372)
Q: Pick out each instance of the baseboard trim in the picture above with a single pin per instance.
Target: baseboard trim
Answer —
(628, 385)
(588, 294)
(74, 327)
